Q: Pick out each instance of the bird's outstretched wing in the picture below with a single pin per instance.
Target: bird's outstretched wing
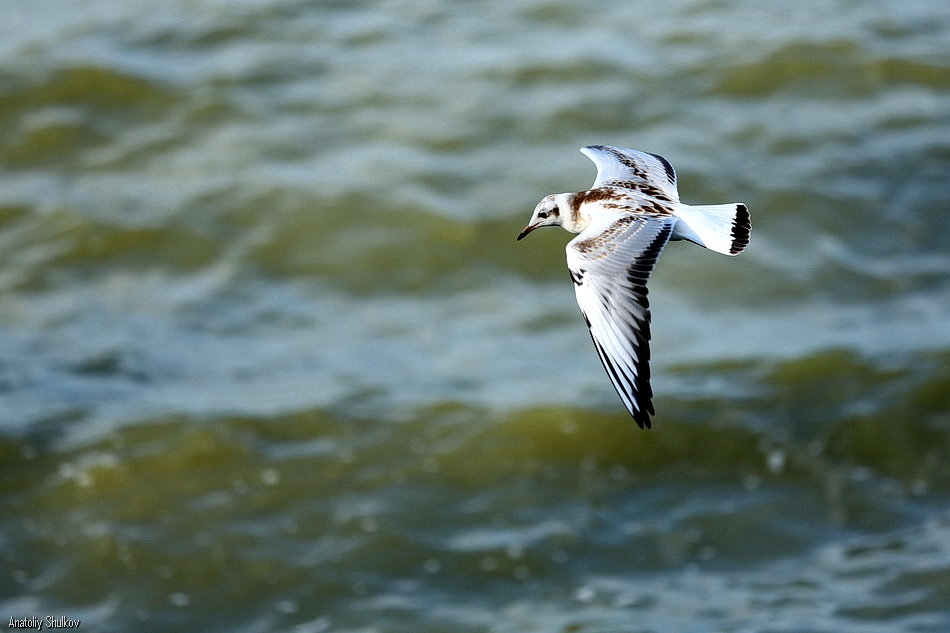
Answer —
(630, 169)
(610, 263)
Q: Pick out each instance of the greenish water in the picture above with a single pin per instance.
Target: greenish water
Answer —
(271, 359)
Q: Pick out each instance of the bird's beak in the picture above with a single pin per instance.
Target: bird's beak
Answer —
(526, 230)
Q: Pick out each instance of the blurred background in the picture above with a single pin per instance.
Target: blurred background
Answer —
(271, 359)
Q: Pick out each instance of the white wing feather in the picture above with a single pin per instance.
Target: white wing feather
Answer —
(610, 263)
(628, 168)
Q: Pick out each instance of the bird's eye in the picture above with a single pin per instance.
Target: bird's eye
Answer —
(543, 214)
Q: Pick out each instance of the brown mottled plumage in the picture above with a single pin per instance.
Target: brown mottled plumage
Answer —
(623, 223)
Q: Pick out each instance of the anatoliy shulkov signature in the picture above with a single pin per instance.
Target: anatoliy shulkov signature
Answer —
(49, 622)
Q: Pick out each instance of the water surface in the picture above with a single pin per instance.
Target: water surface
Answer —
(271, 359)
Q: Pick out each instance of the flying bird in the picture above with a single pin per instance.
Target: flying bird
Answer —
(622, 224)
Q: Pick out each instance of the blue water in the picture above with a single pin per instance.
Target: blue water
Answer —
(272, 360)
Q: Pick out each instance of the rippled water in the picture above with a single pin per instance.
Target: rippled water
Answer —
(271, 359)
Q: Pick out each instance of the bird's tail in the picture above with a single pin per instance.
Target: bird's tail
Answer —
(724, 228)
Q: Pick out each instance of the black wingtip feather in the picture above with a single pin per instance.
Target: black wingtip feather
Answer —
(630, 378)
(643, 420)
(667, 167)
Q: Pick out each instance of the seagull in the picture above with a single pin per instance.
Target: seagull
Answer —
(622, 224)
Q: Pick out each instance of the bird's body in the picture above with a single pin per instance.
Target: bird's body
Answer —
(622, 224)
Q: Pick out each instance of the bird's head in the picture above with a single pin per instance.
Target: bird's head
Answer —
(547, 213)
